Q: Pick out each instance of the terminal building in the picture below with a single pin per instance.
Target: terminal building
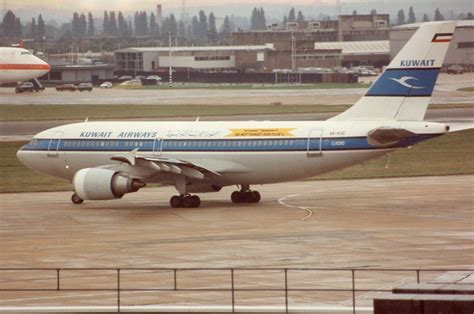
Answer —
(368, 27)
(204, 58)
(352, 40)
(256, 58)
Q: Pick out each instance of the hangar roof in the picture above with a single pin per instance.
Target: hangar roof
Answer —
(196, 48)
(356, 47)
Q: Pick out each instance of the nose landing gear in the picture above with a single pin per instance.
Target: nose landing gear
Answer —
(186, 201)
(75, 199)
(245, 195)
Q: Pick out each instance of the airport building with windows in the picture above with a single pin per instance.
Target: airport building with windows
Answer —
(352, 40)
(204, 58)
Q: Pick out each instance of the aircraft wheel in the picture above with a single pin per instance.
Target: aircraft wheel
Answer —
(176, 201)
(256, 196)
(248, 197)
(236, 197)
(76, 199)
(188, 202)
(196, 201)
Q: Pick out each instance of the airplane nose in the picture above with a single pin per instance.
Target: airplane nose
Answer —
(46, 67)
(26, 159)
(20, 155)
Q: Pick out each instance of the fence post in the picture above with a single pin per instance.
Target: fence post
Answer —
(286, 290)
(175, 280)
(233, 291)
(118, 290)
(353, 292)
(57, 280)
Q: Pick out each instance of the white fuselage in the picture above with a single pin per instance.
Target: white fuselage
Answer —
(252, 152)
(18, 64)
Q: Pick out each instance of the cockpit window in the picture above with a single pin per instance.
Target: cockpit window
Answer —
(33, 142)
(26, 53)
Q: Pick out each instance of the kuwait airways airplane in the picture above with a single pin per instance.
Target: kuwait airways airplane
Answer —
(106, 160)
(18, 64)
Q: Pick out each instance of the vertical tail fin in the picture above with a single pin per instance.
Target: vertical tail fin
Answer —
(403, 90)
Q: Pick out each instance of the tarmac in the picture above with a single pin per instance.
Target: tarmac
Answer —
(446, 92)
(415, 222)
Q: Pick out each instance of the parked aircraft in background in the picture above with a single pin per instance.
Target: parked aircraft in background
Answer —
(18, 64)
(105, 160)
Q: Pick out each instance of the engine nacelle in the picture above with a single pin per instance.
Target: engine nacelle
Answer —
(103, 184)
(203, 188)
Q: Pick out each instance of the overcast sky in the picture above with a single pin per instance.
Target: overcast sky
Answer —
(137, 4)
(59, 9)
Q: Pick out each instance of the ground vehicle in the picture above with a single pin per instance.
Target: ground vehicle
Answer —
(154, 77)
(25, 87)
(106, 85)
(66, 87)
(125, 77)
(140, 77)
(455, 69)
(85, 87)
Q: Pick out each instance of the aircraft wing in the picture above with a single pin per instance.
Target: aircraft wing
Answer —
(172, 165)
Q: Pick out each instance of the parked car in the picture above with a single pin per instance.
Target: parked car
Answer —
(106, 85)
(25, 87)
(125, 77)
(66, 87)
(132, 83)
(455, 69)
(154, 77)
(85, 87)
(140, 77)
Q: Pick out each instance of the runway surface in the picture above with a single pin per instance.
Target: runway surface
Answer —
(419, 222)
(445, 93)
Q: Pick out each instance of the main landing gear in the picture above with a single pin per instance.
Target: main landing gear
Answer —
(245, 195)
(186, 201)
(75, 199)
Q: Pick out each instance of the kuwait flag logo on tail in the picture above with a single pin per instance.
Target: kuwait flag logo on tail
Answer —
(442, 38)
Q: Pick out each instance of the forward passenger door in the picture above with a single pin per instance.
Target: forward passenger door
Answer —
(314, 143)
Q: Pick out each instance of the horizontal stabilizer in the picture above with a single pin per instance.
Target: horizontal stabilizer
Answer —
(460, 126)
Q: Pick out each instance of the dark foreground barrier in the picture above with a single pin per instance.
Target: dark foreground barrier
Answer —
(231, 283)
(427, 299)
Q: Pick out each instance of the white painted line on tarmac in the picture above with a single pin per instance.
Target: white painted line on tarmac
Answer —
(309, 211)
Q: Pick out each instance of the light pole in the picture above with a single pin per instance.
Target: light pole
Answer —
(169, 61)
(293, 52)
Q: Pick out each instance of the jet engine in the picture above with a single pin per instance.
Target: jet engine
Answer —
(103, 184)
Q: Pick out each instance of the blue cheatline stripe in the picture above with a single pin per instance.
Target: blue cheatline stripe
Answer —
(410, 82)
(217, 145)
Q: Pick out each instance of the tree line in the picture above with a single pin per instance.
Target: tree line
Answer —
(199, 29)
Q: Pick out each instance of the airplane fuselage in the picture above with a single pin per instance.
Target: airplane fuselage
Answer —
(18, 64)
(253, 152)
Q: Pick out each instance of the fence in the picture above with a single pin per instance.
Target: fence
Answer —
(232, 287)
